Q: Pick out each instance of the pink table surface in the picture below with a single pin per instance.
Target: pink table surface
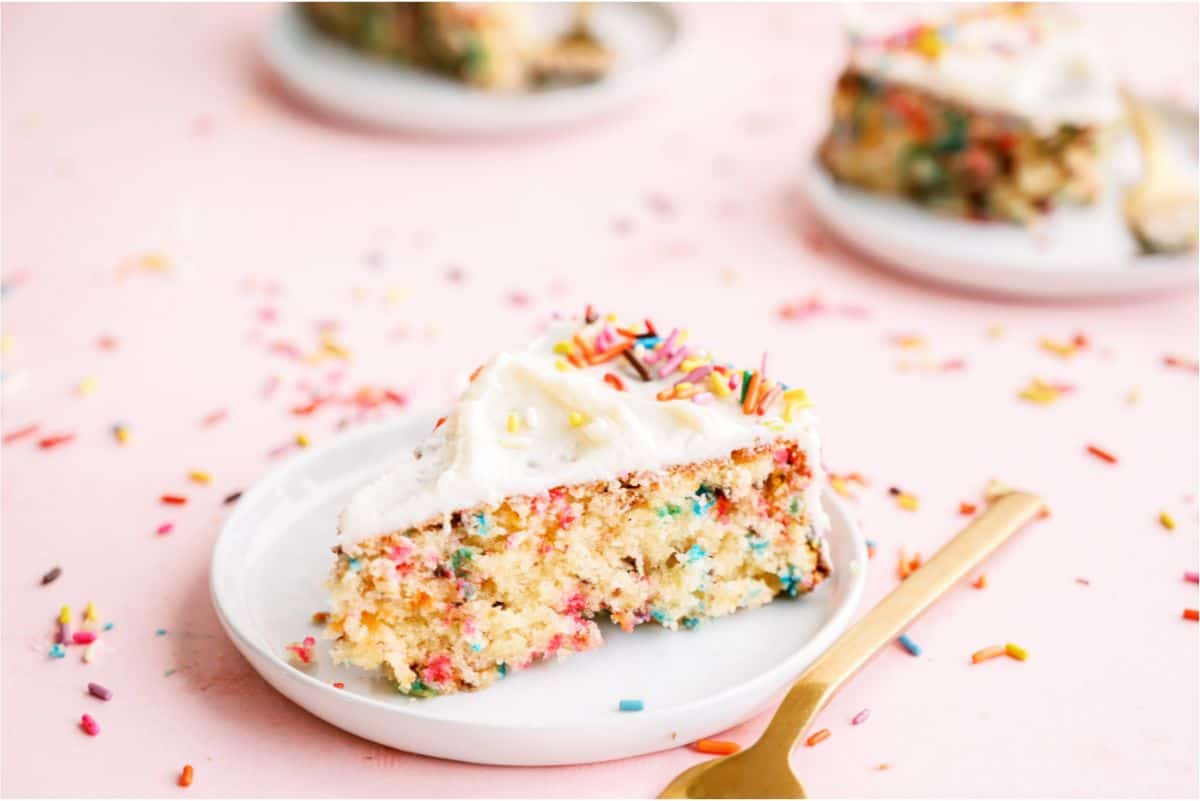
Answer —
(153, 130)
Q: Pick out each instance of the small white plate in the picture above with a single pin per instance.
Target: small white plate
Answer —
(268, 570)
(1078, 253)
(338, 79)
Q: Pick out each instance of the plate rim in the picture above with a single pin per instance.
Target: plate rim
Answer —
(279, 50)
(777, 676)
(818, 188)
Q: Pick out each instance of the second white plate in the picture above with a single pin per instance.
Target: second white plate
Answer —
(645, 36)
(1078, 253)
(268, 570)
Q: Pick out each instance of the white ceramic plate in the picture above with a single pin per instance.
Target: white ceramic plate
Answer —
(1079, 253)
(336, 78)
(271, 560)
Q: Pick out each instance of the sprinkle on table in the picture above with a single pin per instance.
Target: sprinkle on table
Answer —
(965, 508)
(631, 705)
(721, 747)
(302, 440)
(232, 497)
(984, 654)
(980, 582)
(174, 500)
(186, 776)
(51, 575)
(1101, 453)
(200, 477)
(818, 737)
(906, 500)
(89, 725)
(1168, 522)
(1016, 652)
(909, 645)
(24, 431)
(1191, 576)
(54, 440)
(84, 637)
(99, 691)
(1191, 614)
(860, 718)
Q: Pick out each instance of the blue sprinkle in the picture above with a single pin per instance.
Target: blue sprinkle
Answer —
(476, 647)
(649, 342)
(108, 626)
(659, 615)
(695, 553)
(169, 672)
(482, 523)
(757, 544)
(790, 580)
(871, 543)
(57, 651)
(631, 705)
(690, 622)
(909, 645)
(160, 633)
(502, 669)
(355, 564)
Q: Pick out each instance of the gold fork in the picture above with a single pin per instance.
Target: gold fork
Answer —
(764, 770)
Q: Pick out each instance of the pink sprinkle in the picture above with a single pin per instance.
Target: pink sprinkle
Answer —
(100, 691)
(64, 633)
(675, 360)
(84, 637)
(654, 355)
(697, 374)
(735, 379)
(1192, 576)
(165, 528)
(702, 398)
(90, 725)
(782, 456)
(861, 717)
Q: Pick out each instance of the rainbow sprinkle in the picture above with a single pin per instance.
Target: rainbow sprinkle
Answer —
(909, 645)
(630, 705)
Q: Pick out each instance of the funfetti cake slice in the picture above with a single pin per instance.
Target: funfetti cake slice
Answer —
(606, 469)
(995, 112)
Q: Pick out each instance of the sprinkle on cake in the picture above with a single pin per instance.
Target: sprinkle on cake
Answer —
(606, 470)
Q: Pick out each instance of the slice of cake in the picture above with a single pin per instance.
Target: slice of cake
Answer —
(486, 45)
(992, 112)
(605, 470)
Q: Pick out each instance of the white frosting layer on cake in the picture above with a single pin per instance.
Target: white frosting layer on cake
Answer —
(1040, 64)
(474, 459)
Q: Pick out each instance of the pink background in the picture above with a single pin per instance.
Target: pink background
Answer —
(131, 130)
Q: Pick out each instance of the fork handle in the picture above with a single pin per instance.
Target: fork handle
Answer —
(887, 620)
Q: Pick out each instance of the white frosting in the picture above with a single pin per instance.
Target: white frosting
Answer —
(473, 458)
(1040, 64)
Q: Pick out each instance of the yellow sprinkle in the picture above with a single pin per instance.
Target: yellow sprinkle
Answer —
(1063, 349)
(928, 43)
(1167, 521)
(611, 317)
(564, 347)
(89, 611)
(87, 386)
(683, 335)
(907, 501)
(797, 395)
(200, 477)
(838, 483)
(1016, 651)
(122, 434)
(577, 419)
(562, 365)
(302, 440)
(910, 341)
(514, 422)
(156, 262)
(1133, 397)
(331, 347)
(718, 384)
(64, 615)
(1039, 392)
(995, 331)
(690, 364)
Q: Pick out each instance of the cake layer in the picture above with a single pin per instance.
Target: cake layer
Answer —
(459, 602)
(893, 139)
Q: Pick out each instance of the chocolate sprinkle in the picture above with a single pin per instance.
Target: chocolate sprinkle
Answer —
(632, 358)
(50, 576)
(232, 497)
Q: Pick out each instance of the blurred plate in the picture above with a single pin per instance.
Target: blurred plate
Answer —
(268, 572)
(340, 80)
(1077, 253)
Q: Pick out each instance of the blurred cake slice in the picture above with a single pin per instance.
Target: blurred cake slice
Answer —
(604, 470)
(988, 112)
